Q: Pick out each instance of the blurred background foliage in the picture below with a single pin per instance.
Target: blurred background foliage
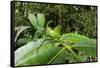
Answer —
(73, 18)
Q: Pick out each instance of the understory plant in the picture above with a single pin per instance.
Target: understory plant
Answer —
(51, 46)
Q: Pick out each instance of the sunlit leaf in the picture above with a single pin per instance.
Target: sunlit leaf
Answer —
(24, 52)
(33, 20)
(72, 37)
(47, 54)
(40, 20)
(87, 47)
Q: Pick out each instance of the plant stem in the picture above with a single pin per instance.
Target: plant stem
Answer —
(75, 56)
(56, 55)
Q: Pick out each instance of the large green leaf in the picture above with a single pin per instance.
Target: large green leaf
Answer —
(72, 37)
(64, 57)
(40, 19)
(44, 56)
(33, 20)
(47, 54)
(86, 47)
(20, 29)
(24, 52)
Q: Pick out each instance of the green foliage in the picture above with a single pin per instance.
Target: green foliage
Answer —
(72, 37)
(37, 22)
(33, 21)
(24, 53)
(40, 20)
(54, 34)
(72, 18)
(20, 30)
(86, 46)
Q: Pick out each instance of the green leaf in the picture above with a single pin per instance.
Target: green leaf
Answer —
(40, 19)
(64, 57)
(47, 54)
(69, 48)
(83, 58)
(86, 47)
(20, 29)
(33, 20)
(72, 37)
(26, 51)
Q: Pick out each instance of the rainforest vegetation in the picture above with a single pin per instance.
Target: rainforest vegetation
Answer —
(54, 33)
